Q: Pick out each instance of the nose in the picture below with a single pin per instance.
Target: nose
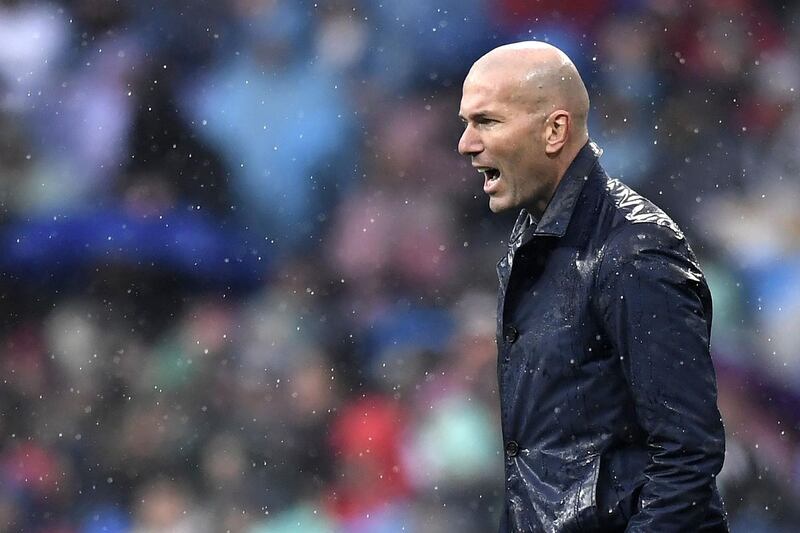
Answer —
(470, 142)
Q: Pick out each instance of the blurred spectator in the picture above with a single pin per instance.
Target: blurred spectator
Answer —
(281, 122)
(33, 37)
(366, 440)
(165, 507)
(81, 130)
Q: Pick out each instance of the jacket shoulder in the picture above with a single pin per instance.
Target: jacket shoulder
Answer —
(638, 229)
(631, 208)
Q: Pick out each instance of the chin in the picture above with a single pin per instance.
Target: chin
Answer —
(497, 206)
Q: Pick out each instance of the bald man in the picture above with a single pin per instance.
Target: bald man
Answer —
(608, 394)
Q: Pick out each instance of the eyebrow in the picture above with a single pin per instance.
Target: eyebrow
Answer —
(476, 116)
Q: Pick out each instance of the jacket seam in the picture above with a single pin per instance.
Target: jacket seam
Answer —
(601, 256)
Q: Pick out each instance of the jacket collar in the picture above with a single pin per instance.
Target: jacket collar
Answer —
(558, 212)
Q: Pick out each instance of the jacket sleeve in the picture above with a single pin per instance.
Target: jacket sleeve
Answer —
(655, 307)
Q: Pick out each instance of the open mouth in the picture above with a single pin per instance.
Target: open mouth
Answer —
(490, 173)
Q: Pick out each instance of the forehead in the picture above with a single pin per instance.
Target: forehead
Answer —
(484, 92)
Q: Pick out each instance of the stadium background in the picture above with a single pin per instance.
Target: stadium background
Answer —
(248, 284)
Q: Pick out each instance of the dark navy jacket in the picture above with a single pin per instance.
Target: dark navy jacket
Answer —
(608, 395)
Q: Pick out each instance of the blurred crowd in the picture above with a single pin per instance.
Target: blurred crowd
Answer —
(248, 284)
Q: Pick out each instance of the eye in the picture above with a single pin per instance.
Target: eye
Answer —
(479, 121)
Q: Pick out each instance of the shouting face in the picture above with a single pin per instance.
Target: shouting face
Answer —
(518, 106)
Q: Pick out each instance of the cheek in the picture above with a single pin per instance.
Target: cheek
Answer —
(521, 161)
(515, 153)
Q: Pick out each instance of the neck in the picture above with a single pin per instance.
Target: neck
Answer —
(560, 165)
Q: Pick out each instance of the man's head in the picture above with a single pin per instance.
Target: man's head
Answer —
(524, 108)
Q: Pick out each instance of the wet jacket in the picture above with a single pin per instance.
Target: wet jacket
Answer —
(608, 394)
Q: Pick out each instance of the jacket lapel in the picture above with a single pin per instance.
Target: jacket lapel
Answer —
(558, 213)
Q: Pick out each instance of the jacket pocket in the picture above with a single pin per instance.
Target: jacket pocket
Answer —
(556, 492)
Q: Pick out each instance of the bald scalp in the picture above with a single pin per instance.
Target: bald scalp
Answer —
(539, 76)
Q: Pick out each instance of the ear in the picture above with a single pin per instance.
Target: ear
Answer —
(556, 131)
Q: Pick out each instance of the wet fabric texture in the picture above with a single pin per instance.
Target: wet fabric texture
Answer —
(608, 394)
